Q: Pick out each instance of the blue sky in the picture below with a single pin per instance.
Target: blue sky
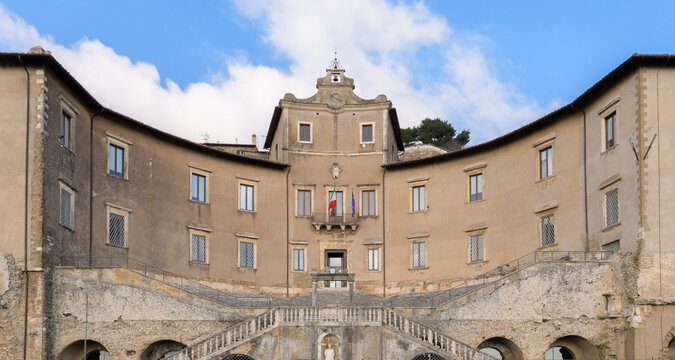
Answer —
(219, 67)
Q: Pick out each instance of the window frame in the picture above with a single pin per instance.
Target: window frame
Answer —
(362, 192)
(64, 187)
(372, 133)
(420, 265)
(124, 144)
(378, 258)
(481, 235)
(297, 249)
(421, 207)
(548, 151)
(541, 230)
(346, 210)
(197, 176)
(605, 193)
(199, 232)
(254, 196)
(482, 186)
(311, 135)
(254, 243)
(117, 210)
(297, 202)
(612, 115)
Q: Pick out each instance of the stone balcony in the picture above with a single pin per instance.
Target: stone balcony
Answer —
(329, 220)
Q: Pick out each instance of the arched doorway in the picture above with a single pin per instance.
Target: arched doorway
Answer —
(76, 351)
(238, 357)
(428, 356)
(161, 349)
(501, 348)
(572, 348)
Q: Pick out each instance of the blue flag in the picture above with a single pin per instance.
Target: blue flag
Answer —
(353, 204)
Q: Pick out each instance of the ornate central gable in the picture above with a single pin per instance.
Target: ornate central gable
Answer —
(335, 90)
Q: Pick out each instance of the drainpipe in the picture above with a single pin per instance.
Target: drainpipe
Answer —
(91, 182)
(384, 243)
(587, 247)
(288, 245)
(25, 211)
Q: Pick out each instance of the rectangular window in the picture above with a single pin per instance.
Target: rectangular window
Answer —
(198, 187)
(246, 254)
(612, 207)
(198, 248)
(117, 228)
(367, 133)
(66, 129)
(612, 247)
(547, 230)
(304, 203)
(373, 259)
(610, 131)
(476, 187)
(337, 211)
(546, 162)
(305, 134)
(419, 256)
(477, 249)
(298, 259)
(368, 203)
(418, 198)
(115, 160)
(246, 197)
(67, 207)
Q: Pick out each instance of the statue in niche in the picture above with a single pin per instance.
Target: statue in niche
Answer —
(329, 353)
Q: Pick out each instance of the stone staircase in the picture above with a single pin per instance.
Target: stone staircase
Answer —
(247, 330)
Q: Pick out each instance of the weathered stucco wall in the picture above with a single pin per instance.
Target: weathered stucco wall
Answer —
(127, 312)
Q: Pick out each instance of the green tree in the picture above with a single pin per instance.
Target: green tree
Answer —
(435, 132)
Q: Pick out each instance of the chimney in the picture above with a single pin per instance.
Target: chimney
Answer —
(253, 139)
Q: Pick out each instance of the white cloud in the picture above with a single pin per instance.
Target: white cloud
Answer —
(378, 42)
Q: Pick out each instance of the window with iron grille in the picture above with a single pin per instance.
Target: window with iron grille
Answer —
(304, 203)
(115, 160)
(198, 248)
(613, 246)
(67, 208)
(117, 233)
(373, 259)
(66, 129)
(418, 198)
(546, 162)
(547, 230)
(612, 207)
(305, 134)
(476, 187)
(298, 259)
(477, 249)
(367, 133)
(246, 254)
(368, 203)
(246, 197)
(198, 187)
(610, 131)
(419, 256)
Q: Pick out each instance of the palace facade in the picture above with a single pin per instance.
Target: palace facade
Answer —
(130, 242)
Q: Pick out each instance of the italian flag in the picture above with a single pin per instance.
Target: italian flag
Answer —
(332, 203)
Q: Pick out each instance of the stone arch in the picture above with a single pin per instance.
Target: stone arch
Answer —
(428, 356)
(578, 348)
(507, 349)
(75, 351)
(238, 357)
(669, 344)
(159, 349)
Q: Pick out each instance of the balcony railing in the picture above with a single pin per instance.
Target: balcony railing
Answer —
(330, 220)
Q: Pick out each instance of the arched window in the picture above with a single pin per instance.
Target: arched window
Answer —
(559, 353)
(492, 352)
